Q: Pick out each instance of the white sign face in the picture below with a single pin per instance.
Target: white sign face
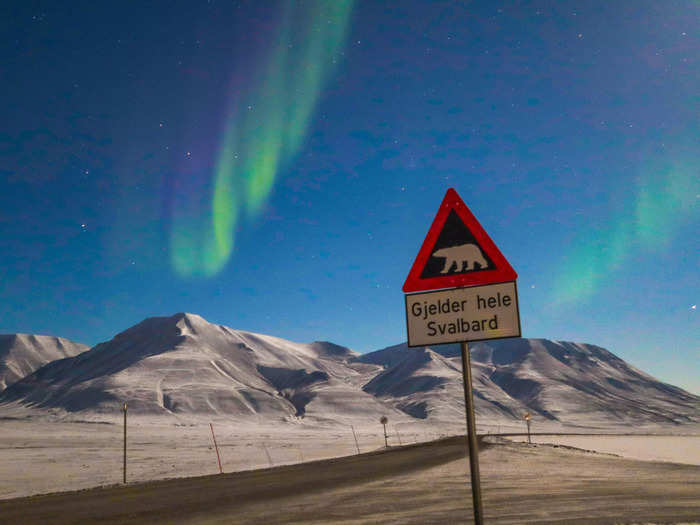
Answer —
(463, 314)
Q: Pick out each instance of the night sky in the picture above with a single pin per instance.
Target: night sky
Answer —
(275, 166)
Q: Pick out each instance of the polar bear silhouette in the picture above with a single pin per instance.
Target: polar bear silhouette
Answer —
(463, 255)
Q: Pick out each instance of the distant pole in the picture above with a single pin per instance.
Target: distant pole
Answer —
(124, 469)
(355, 436)
(527, 418)
(398, 435)
(218, 458)
(471, 435)
(269, 458)
(384, 421)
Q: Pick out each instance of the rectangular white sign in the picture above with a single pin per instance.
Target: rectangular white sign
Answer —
(463, 314)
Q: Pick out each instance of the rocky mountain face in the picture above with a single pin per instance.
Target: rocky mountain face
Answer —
(556, 381)
(183, 365)
(22, 354)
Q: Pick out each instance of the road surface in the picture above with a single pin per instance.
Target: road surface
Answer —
(423, 483)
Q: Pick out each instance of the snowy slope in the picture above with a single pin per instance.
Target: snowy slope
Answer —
(22, 354)
(420, 382)
(185, 365)
(565, 382)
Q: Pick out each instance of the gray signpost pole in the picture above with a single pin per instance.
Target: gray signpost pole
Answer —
(124, 442)
(471, 435)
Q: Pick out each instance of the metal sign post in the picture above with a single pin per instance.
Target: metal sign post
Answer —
(124, 443)
(468, 293)
(471, 435)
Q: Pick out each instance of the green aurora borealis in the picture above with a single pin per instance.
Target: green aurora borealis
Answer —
(646, 222)
(264, 131)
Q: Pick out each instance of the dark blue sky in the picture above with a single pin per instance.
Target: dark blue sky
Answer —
(275, 166)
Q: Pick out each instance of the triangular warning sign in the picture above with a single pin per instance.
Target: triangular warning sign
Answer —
(457, 252)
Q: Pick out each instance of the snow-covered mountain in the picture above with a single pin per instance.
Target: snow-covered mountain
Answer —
(184, 366)
(556, 381)
(22, 354)
(420, 382)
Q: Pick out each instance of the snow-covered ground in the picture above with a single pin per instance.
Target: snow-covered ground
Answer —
(411, 485)
(676, 449)
(41, 456)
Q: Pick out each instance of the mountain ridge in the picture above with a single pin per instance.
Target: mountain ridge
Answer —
(560, 380)
(21, 354)
(182, 365)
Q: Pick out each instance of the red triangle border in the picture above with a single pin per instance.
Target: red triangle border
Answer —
(502, 273)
